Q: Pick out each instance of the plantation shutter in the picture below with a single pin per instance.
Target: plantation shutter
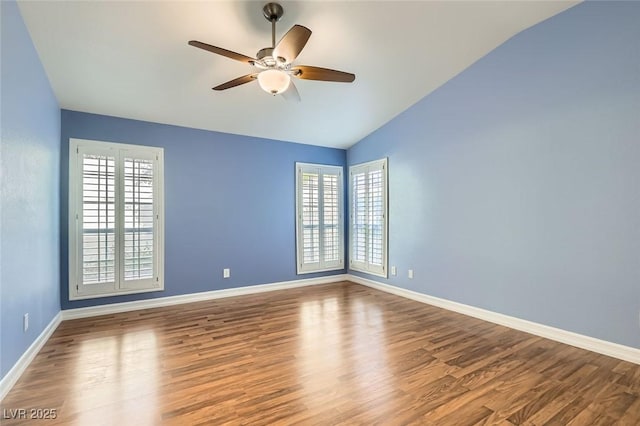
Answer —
(375, 219)
(310, 218)
(359, 217)
(138, 218)
(320, 235)
(115, 232)
(98, 218)
(368, 209)
(332, 243)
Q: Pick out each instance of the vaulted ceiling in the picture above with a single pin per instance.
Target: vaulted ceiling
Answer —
(131, 59)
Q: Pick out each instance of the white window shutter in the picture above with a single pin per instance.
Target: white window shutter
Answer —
(139, 218)
(310, 218)
(319, 217)
(331, 215)
(359, 217)
(116, 225)
(368, 207)
(98, 218)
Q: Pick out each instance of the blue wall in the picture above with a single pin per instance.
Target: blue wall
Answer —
(229, 203)
(29, 192)
(515, 187)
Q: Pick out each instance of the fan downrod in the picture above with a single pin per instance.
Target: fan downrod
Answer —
(273, 12)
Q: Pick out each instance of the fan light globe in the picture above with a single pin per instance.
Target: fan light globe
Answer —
(274, 81)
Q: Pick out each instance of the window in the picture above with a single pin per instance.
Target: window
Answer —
(319, 218)
(368, 212)
(115, 219)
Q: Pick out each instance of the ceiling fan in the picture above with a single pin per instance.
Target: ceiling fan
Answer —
(274, 67)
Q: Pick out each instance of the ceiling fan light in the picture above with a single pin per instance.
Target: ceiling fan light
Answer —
(274, 81)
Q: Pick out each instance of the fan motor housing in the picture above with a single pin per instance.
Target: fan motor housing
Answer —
(266, 55)
(263, 53)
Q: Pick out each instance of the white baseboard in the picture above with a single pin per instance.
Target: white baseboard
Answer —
(615, 350)
(113, 308)
(625, 353)
(18, 368)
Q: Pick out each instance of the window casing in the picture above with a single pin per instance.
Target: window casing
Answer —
(116, 219)
(319, 218)
(368, 207)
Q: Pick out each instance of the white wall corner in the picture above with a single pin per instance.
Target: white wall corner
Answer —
(615, 350)
(23, 362)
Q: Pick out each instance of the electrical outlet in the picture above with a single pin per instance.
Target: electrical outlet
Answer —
(226, 273)
(410, 274)
(25, 323)
(394, 271)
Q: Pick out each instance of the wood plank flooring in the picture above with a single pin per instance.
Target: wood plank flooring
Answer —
(322, 355)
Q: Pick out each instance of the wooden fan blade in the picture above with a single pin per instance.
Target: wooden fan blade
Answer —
(291, 94)
(324, 74)
(237, 82)
(292, 43)
(223, 52)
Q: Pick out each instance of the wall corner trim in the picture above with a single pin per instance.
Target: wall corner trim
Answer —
(615, 350)
(23, 362)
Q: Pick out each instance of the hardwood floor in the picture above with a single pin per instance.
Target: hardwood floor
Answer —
(331, 354)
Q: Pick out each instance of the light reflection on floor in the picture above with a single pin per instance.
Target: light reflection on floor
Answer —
(372, 369)
(341, 339)
(129, 384)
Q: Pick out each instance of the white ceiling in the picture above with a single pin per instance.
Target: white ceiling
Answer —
(131, 59)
